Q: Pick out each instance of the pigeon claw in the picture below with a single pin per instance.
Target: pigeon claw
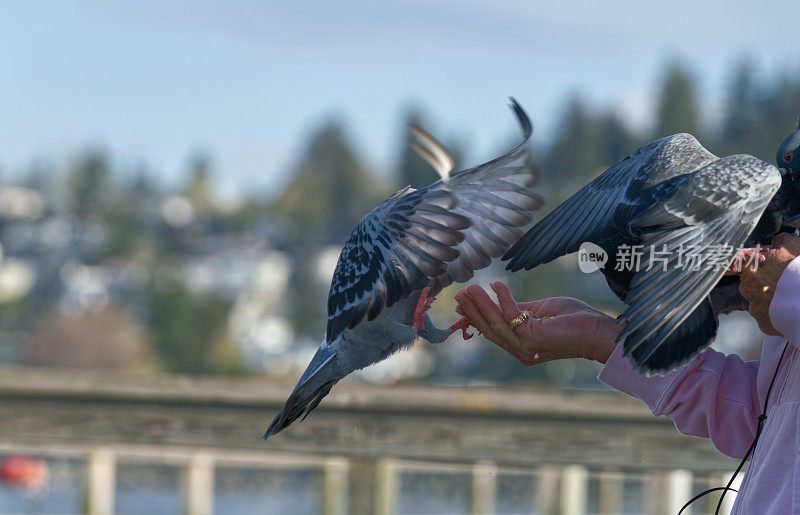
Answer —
(463, 323)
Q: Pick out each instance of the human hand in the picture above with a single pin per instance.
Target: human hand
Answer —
(758, 284)
(561, 327)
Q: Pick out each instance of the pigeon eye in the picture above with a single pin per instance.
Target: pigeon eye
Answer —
(787, 156)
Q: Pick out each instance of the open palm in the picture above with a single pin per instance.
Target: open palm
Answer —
(561, 327)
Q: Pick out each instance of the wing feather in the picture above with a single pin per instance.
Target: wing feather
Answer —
(395, 249)
(497, 197)
(435, 235)
(715, 207)
(590, 214)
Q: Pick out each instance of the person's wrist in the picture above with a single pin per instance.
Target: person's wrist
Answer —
(603, 342)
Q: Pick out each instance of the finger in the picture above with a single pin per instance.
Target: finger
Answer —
(507, 303)
(482, 300)
(476, 315)
(492, 312)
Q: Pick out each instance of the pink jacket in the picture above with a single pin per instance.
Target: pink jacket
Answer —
(720, 397)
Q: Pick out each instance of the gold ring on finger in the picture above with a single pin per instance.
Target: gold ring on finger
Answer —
(519, 319)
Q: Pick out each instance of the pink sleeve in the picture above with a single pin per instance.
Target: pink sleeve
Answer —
(713, 396)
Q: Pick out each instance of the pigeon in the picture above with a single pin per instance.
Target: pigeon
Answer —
(671, 217)
(781, 215)
(404, 252)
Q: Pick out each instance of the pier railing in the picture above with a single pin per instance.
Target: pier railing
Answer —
(365, 450)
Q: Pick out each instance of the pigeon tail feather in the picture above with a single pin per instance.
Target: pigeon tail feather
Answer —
(315, 383)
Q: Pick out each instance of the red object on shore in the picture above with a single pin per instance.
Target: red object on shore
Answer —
(23, 472)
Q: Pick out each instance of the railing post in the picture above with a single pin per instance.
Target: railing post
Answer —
(484, 487)
(199, 485)
(547, 489)
(611, 491)
(385, 486)
(373, 486)
(100, 482)
(334, 486)
(573, 489)
(679, 489)
(721, 479)
(656, 492)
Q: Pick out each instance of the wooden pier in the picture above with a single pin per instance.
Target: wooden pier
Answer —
(362, 438)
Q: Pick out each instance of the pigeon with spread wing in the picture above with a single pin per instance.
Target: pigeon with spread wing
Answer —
(674, 216)
(401, 255)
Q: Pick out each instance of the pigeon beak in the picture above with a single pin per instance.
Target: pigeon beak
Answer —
(783, 171)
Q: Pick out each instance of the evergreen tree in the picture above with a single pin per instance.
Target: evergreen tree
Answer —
(741, 112)
(198, 186)
(87, 183)
(189, 331)
(616, 141)
(331, 190)
(574, 155)
(779, 109)
(677, 105)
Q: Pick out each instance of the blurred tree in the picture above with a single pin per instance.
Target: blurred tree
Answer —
(615, 140)
(574, 156)
(778, 112)
(198, 184)
(306, 300)
(130, 233)
(189, 332)
(331, 190)
(88, 181)
(38, 176)
(677, 104)
(741, 116)
(413, 170)
(142, 181)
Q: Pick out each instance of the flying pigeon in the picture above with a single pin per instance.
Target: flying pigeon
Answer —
(685, 213)
(401, 255)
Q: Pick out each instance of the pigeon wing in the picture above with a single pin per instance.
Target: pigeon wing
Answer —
(397, 248)
(497, 199)
(709, 214)
(593, 213)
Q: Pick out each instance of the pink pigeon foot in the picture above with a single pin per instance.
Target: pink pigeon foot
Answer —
(423, 305)
(463, 323)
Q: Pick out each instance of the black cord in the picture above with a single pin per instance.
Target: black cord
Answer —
(759, 428)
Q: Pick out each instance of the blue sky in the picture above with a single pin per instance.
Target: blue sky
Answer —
(151, 81)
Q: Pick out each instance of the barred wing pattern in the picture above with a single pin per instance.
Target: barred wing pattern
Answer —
(395, 249)
(496, 197)
(434, 236)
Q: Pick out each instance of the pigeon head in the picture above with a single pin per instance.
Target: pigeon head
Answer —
(788, 197)
(788, 157)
